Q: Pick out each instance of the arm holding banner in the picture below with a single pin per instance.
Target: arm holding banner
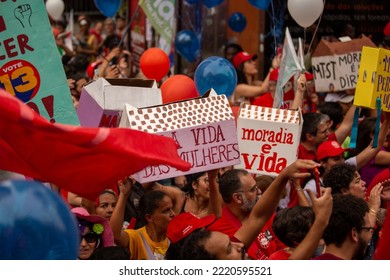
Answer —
(300, 93)
(121, 238)
(346, 125)
(369, 153)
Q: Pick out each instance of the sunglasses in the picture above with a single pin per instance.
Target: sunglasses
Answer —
(90, 237)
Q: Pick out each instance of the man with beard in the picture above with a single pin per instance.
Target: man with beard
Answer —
(349, 230)
(240, 194)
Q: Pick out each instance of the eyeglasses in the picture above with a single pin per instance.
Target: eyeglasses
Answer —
(255, 188)
(90, 237)
(205, 179)
(371, 229)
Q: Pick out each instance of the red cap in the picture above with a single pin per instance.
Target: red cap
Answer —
(329, 149)
(386, 30)
(241, 57)
(309, 76)
(185, 223)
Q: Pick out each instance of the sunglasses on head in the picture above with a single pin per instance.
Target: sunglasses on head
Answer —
(90, 237)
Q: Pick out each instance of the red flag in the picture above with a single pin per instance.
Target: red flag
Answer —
(81, 160)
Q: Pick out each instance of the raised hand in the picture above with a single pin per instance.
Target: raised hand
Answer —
(23, 14)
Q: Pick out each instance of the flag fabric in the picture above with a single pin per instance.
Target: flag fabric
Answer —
(81, 160)
(382, 251)
(161, 15)
(289, 66)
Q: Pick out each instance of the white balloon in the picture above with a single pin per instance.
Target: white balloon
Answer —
(55, 8)
(305, 12)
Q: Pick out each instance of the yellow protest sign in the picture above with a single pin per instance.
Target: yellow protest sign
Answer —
(373, 79)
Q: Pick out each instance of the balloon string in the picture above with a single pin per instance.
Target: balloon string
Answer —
(315, 31)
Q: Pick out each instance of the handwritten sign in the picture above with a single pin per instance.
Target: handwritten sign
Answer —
(336, 65)
(204, 129)
(268, 138)
(374, 79)
(30, 65)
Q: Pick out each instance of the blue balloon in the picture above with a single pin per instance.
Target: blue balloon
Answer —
(109, 8)
(35, 223)
(261, 4)
(187, 45)
(237, 22)
(217, 73)
(211, 3)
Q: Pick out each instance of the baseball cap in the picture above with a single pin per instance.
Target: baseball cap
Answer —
(329, 149)
(241, 57)
(185, 223)
(339, 97)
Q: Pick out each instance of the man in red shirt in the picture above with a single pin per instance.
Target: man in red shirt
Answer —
(240, 194)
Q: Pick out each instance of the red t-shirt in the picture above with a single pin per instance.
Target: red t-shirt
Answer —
(265, 244)
(279, 255)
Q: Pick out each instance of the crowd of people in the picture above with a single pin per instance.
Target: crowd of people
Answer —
(337, 213)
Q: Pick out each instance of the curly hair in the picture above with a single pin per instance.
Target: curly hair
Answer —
(292, 224)
(339, 177)
(230, 182)
(191, 247)
(348, 213)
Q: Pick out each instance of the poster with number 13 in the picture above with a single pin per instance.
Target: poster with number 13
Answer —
(30, 64)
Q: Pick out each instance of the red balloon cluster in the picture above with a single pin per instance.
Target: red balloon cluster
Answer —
(178, 87)
(154, 64)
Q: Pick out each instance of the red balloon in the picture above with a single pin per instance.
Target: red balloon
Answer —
(178, 87)
(154, 64)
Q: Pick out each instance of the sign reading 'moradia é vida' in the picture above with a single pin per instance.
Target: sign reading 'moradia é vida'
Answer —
(268, 139)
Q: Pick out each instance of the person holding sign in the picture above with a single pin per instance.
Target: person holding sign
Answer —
(200, 244)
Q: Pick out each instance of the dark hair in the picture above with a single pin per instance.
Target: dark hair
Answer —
(365, 129)
(292, 224)
(237, 48)
(190, 179)
(191, 247)
(241, 77)
(348, 213)
(339, 177)
(230, 182)
(310, 122)
(149, 202)
(333, 110)
(110, 253)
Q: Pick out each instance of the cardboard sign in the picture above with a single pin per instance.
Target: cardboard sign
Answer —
(204, 128)
(30, 64)
(374, 79)
(335, 65)
(268, 138)
(102, 101)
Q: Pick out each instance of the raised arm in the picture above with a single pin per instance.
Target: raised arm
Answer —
(265, 207)
(300, 92)
(322, 209)
(346, 125)
(116, 222)
(215, 200)
(369, 153)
